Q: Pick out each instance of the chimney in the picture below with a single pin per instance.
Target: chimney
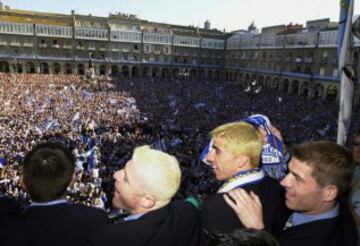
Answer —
(207, 25)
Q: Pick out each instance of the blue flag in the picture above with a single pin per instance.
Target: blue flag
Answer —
(50, 124)
(86, 94)
(2, 162)
(91, 160)
(160, 145)
(205, 152)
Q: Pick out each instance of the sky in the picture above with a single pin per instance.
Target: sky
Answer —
(223, 14)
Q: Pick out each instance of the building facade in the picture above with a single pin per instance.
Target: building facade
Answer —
(289, 58)
(121, 45)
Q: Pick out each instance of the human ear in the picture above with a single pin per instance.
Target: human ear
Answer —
(148, 201)
(330, 193)
(73, 179)
(243, 161)
(22, 183)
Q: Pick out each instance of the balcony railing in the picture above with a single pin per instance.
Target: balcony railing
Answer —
(17, 44)
(323, 77)
(28, 45)
(296, 74)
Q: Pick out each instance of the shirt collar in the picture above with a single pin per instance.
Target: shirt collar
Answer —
(51, 203)
(133, 217)
(299, 218)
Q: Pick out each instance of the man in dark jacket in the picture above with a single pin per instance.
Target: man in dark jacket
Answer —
(145, 188)
(234, 157)
(50, 219)
(11, 224)
(319, 175)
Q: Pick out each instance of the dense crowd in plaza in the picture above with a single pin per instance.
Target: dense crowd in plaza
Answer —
(117, 114)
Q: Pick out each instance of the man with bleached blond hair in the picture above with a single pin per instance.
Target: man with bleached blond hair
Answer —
(145, 188)
(234, 157)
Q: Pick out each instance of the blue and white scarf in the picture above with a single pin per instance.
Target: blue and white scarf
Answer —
(243, 179)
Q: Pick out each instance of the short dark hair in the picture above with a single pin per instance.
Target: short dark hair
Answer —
(47, 171)
(243, 237)
(332, 164)
(355, 135)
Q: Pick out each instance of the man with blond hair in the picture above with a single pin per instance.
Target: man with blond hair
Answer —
(234, 156)
(145, 188)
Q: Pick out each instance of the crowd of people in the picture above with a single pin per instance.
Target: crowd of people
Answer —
(103, 120)
(37, 108)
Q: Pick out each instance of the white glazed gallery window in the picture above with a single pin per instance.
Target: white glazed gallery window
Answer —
(335, 72)
(322, 71)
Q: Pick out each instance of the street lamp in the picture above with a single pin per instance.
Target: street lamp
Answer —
(15, 65)
(252, 90)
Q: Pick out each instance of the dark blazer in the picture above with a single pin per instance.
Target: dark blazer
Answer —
(217, 215)
(11, 224)
(7, 205)
(329, 232)
(62, 224)
(176, 224)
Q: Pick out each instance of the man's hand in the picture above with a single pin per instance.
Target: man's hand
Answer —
(273, 130)
(276, 133)
(247, 207)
